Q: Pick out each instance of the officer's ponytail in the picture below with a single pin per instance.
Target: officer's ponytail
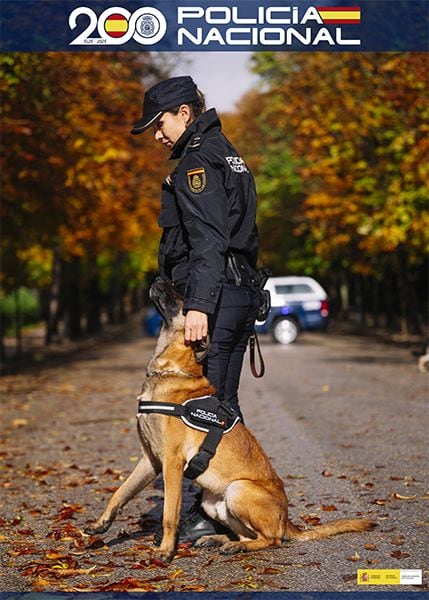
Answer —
(199, 106)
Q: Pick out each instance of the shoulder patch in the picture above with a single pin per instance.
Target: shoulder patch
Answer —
(196, 179)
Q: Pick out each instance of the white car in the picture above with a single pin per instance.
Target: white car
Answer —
(297, 304)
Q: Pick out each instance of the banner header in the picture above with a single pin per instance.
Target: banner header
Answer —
(216, 25)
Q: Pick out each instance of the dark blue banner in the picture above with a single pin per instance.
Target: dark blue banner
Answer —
(214, 25)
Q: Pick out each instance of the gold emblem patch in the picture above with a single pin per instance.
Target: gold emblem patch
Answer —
(197, 180)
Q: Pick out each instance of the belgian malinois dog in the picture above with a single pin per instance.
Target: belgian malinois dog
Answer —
(240, 487)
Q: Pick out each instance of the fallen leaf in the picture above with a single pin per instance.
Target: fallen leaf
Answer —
(311, 519)
(128, 584)
(177, 573)
(23, 551)
(19, 422)
(399, 554)
(347, 578)
(53, 555)
(370, 547)
(397, 541)
(158, 563)
(296, 477)
(40, 583)
(193, 588)
(328, 507)
(380, 501)
(372, 561)
(65, 562)
(25, 532)
(270, 571)
(185, 552)
(400, 497)
(354, 557)
(67, 512)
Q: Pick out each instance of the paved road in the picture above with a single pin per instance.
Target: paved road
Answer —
(342, 418)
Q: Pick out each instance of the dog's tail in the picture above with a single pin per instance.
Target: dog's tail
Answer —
(322, 531)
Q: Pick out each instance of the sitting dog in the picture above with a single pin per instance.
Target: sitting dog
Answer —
(240, 487)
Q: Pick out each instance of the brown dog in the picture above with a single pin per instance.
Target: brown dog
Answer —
(240, 487)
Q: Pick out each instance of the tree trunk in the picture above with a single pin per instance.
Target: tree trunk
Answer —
(402, 285)
(122, 308)
(18, 324)
(414, 323)
(53, 301)
(344, 296)
(74, 311)
(93, 306)
(375, 303)
(135, 299)
(115, 307)
(360, 303)
(390, 302)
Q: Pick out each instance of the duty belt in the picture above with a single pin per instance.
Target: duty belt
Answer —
(206, 413)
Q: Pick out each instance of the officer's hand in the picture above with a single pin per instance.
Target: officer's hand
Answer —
(196, 325)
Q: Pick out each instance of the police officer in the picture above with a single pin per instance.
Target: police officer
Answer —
(209, 243)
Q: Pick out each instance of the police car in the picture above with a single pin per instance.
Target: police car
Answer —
(297, 304)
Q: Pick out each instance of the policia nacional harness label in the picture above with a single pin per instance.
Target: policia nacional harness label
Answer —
(207, 414)
(197, 179)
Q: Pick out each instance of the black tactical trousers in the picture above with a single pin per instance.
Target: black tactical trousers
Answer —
(230, 328)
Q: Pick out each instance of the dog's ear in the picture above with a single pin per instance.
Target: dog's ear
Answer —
(201, 349)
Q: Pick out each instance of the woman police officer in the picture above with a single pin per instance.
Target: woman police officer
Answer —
(210, 241)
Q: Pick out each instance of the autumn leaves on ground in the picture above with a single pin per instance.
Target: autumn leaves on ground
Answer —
(69, 440)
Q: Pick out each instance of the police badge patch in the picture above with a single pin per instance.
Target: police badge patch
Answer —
(196, 180)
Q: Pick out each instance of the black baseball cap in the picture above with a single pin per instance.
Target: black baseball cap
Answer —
(162, 97)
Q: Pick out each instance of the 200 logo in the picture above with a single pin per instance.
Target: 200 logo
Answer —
(117, 26)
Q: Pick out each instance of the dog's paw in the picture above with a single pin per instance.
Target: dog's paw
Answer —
(232, 548)
(165, 556)
(210, 541)
(96, 528)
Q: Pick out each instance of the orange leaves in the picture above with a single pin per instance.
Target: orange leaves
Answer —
(357, 127)
(68, 511)
(73, 174)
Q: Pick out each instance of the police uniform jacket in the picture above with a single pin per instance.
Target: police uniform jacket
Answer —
(208, 209)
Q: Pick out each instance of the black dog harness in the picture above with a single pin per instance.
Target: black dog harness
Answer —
(207, 414)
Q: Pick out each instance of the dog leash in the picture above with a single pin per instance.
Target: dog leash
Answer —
(252, 341)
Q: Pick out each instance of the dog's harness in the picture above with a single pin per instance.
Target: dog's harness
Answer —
(206, 413)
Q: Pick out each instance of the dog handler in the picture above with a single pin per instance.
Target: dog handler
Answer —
(209, 243)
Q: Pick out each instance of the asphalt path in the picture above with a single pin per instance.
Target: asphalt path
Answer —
(343, 418)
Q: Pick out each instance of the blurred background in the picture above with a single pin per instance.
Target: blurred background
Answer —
(338, 144)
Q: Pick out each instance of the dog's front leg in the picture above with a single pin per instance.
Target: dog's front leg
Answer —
(173, 477)
(144, 472)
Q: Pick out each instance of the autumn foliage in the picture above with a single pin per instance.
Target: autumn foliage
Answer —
(340, 150)
(80, 195)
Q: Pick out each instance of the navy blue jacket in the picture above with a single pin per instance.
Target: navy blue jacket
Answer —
(208, 208)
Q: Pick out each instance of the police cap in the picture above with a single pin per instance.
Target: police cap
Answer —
(162, 97)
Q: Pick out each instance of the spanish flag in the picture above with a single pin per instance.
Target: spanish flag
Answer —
(339, 14)
(116, 25)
